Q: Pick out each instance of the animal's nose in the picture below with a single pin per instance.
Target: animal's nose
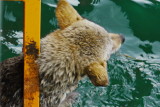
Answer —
(122, 38)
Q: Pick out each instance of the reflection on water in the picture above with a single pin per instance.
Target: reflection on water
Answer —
(134, 71)
(11, 34)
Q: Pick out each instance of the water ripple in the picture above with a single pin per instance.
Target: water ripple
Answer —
(132, 84)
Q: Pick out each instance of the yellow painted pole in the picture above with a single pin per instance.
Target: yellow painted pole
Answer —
(31, 49)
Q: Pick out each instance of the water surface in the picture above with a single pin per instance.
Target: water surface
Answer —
(134, 71)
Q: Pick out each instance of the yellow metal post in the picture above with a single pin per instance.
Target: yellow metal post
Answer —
(31, 48)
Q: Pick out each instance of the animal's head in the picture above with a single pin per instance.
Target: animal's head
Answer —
(93, 41)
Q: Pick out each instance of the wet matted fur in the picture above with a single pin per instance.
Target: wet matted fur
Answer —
(80, 47)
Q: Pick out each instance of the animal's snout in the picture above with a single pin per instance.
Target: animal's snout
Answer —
(122, 38)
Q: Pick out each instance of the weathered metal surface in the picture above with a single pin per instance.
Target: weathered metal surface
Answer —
(31, 49)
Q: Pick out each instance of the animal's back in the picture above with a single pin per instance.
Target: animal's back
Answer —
(11, 82)
(59, 76)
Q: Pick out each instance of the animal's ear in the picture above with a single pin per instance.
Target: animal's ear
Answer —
(66, 14)
(97, 73)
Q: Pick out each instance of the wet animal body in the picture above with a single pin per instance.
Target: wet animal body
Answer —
(79, 48)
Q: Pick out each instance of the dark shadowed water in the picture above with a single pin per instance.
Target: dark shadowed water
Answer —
(134, 71)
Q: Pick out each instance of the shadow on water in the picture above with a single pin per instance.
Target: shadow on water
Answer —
(141, 83)
(144, 18)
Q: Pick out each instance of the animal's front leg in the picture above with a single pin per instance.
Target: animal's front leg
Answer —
(69, 100)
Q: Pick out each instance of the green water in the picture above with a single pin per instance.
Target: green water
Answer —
(133, 82)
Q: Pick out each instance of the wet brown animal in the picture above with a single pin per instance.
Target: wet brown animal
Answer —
(80, 47)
